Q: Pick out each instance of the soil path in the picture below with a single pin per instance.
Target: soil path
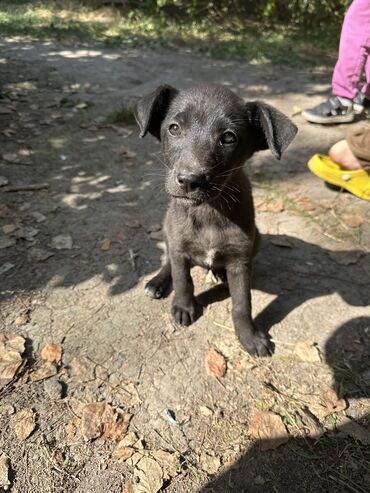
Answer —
(105, 196)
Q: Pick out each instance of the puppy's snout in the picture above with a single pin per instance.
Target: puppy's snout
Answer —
(190, 181)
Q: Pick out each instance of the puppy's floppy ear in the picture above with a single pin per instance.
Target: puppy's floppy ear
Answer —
(274, 130)
(151, 110)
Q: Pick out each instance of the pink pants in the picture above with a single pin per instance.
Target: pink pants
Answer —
(354, 51)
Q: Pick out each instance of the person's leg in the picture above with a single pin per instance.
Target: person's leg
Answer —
(342, 155)
(353, 50)
(366, 88)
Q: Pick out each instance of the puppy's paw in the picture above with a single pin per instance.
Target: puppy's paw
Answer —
(158, 287)
(185, 314)
(257, 344)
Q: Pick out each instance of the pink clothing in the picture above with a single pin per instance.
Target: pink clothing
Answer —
(354, 51)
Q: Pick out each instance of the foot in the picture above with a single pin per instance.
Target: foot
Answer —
(159, 287)
(342, 155)
(256, 343)
(185, 313)
(333, 110)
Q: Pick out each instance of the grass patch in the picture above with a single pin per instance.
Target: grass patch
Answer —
(122, 115)
(227, 39)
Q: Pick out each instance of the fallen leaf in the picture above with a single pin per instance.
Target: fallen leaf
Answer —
(132, 222)
(312, 426)
(150, 476)
(62, 242)
(52, 353)
(24, 423)
(305, 204)
(352, 220)
(169, 462)
(209, 463)
(4, 472)
(6, 242)
(129, 487)
(269, 206)
(215, 363)
(11, 350)
(100, 420)
(27, 233)
(124, 152)
(346, 258)
(106, 245)
(22, 319)
(282, 241)
(9, 228)
(328, 404)
(307, 351)
(39, 254)
(11, 158)
(268, 429)
(46, 370)
(82, 368)
(122, 453)
(81, 105)
(348, 427)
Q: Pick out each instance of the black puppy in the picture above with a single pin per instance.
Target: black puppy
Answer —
(207, 133)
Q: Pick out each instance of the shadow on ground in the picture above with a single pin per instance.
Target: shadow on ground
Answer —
(332, 462)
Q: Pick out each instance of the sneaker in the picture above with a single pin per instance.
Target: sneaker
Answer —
(331, 111)
(361, 104)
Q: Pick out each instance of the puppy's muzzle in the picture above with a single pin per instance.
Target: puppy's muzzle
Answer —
(189, 182)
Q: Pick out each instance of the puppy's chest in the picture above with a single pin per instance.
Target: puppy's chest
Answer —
(206, 246)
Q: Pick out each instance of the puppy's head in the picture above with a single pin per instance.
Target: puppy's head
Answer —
(207, 133)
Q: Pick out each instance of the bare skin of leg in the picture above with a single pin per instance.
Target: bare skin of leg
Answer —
(342, 155)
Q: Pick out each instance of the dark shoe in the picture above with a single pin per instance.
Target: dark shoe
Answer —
(361, 104)
(330, 111)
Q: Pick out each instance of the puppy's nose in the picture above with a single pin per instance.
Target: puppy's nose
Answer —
(189, 181)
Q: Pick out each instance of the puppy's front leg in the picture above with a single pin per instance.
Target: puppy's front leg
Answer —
(252, 339)
(184, 308)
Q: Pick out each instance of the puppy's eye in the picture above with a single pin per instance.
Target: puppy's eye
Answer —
(228, 138)
(174, 129)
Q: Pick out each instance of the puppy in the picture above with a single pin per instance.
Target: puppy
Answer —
(207, 133)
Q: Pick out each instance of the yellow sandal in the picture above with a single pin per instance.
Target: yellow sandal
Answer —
(356, 182)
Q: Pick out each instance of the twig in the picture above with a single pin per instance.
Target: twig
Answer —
(343, 483)
(27, 188)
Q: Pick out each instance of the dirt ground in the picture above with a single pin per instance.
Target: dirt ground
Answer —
(74, 257)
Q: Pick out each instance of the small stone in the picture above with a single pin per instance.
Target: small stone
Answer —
(22, 319)
(62, 242)
(206, 411)
(6, 242)
(209, 463)
(39, 254)
(40, 218)
(3, 181)
(11, 157)
(53, 388)
(27, 233)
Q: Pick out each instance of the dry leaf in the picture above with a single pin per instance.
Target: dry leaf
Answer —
(282, 241)
(9, 228)
(106, 245)
(352, 220)
(296, 110)
(169, 462)
(122, 453)
(129, 487)
(269, 206)
(313, 428)
(215, 363)
(348, 427)
(82, 368)
(45, 370)
(268, 429)
(24, 423)
(328, 404)
(22, 319)
(52, 353)
(209, 463)
(150, 476)
(305, 204)
(132, 222)
(11, 350)
(307, 351)
(102, 420)
(4, 472)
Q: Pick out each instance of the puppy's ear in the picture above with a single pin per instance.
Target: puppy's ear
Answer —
(151, 110)
(274, 130)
